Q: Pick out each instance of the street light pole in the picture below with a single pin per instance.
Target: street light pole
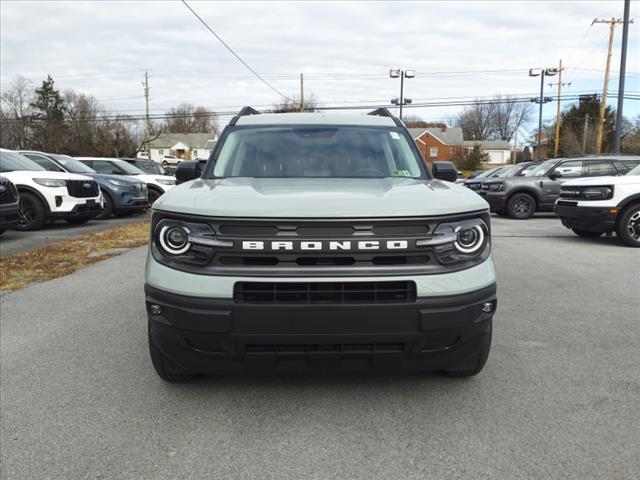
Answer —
(402, 74)
(542, 72)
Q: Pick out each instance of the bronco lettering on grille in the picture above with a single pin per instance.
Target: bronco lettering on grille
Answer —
(346, 245)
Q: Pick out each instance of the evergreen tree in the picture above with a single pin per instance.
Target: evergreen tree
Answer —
(48, 115)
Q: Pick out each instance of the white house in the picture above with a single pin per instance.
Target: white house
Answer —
(186, 146)
(499, 150)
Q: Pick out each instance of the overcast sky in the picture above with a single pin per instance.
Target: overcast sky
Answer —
(345, 50)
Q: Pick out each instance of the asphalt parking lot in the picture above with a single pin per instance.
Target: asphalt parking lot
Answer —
(13, 242)
(558, 398)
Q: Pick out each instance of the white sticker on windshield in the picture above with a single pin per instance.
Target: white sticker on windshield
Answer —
(394, 135)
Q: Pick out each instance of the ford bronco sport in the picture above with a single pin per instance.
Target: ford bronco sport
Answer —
(314, 241)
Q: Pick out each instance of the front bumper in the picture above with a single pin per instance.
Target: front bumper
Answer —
(497, 200)
(592, 219)
(219, 336)
(89, 209)
(9, 216)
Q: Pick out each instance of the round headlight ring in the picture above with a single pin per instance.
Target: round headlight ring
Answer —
(469, 239)
(174, 239)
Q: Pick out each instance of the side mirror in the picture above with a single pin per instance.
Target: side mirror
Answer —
(444, 171)
(555, 174)
(188, 170)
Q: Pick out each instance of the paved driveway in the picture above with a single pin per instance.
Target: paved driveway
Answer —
(559, 397)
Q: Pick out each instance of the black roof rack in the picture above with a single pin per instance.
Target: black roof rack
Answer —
(242, 113)
(384, 112)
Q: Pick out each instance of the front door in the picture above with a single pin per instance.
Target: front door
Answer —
(561, 173)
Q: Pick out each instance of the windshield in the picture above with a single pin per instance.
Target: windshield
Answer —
(11, 161)
(542, 169)
(486, 173)
(128, 168)
(505, 172)
(317, 151)
(634, 171)
(72, 165)
(527, 170)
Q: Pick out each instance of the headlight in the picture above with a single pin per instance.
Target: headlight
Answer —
(597, 193)
(119, 183)
(459, 241)
(494, 187)
(50, 182)
(166, 181)
(186, 242)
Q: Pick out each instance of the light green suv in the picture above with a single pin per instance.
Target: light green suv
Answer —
(313, 241)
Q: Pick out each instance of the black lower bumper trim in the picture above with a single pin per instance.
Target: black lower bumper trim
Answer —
(83, 210)
(9, 216)
(220, 336)
(592, 219)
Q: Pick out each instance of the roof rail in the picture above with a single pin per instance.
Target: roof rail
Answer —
(243, 112)
(384, 112)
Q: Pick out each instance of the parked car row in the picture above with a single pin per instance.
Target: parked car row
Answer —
(38, 187)
(592, 195)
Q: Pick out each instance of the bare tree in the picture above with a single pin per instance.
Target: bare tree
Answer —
(15, 114)
(187, 118)
(508, 115)
(414, 121)
(293, 105)
(477, 121)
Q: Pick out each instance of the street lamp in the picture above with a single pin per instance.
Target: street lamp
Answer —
(402, 74)
(541, 72)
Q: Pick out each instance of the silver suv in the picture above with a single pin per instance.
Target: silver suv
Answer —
(315, 241)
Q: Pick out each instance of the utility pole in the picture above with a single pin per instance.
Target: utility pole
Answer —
(603, 102)
(623, 68)
(146, 97)
(542, 73)
(301, 92)
(402, 74)
(556, 145)
(515, 139)
(585, 130)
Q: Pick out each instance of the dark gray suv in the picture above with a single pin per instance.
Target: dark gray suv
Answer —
(521, 197)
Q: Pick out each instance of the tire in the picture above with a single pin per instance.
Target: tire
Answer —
(586, 233)
(77, 221)
(164, 367)
(107, 210)
(628, 226)
(480, 363)
(521, 206)
(154, 194)
(165, 163)
(33, 213)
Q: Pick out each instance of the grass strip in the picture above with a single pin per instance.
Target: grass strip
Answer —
(65, 257)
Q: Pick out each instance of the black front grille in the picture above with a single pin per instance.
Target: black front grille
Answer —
(324, 292)
(8, 192)
(286, 349)
(82, 188)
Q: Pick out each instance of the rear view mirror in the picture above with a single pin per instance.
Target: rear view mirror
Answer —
(188, 170)
(444, 171)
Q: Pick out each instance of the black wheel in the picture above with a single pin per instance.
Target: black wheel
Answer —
(107, 209)
(521, 206)
(154, 194)
(628, 226)
(33, 213)
(165, 163)
(165, 368)
(480, 363)
(78, 220)
(586, 233)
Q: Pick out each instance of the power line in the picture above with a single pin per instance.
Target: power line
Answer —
(234, 53)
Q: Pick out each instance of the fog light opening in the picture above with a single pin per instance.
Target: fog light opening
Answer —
(487, 307)
(155, 309)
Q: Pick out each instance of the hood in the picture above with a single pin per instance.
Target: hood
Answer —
(45, 174)
(319, 198)
(151, 177)
(103, 177)
(619, 180)
(514, 179)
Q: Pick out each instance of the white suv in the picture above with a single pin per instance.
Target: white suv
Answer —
(48, 195)
(156, 184)
(593, 206)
